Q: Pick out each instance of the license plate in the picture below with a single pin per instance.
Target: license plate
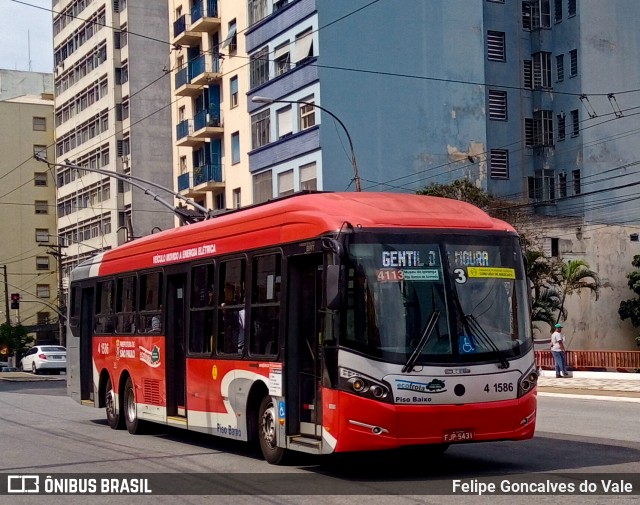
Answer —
(57, 357)
(457, 435)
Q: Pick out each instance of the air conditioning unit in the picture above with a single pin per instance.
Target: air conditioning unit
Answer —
(125, 161)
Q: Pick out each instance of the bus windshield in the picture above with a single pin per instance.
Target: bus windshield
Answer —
(474, 283)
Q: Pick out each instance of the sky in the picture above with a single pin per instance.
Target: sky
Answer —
(26, 35)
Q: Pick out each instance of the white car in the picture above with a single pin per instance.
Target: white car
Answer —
(42, 358)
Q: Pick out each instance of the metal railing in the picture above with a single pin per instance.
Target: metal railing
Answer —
(613, 361)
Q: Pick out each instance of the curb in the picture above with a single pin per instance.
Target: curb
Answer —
(590, 397)
(596, 375)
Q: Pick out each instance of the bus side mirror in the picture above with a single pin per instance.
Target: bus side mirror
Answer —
(333, 286)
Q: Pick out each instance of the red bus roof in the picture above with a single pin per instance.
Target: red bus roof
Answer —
(300, 217)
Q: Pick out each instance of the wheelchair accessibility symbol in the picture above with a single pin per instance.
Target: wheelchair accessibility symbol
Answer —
(281, 410)
(466, 345)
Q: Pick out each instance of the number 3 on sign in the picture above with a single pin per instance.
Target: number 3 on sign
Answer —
(460, 276)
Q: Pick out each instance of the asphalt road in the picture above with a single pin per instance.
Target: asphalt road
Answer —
(45, 432)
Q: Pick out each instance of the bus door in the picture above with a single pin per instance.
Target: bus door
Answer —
(175, 345)
(302, 359)
(85, 327)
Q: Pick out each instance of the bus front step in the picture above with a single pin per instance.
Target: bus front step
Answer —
(305, 444)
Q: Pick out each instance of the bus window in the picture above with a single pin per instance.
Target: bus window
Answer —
(125, 305)
(202, 309)
(104, 307)
(265, 305)
(150, 303)
(231, 307)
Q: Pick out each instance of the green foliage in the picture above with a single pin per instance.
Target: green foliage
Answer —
(15, 338)
(462, 189)
(630, 309)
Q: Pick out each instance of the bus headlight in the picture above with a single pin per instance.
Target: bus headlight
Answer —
(362, 385)
(527, 382)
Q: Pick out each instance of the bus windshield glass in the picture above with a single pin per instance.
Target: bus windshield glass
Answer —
(475, 283)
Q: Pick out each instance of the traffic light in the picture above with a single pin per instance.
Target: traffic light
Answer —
(15, 300)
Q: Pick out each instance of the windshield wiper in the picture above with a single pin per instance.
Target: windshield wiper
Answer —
(478, 331)
(424, 338)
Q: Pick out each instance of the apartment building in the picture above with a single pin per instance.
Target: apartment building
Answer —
(28, 223)
(112, 113)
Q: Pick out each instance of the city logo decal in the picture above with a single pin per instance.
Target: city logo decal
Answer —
(150, 357)
(435, 386)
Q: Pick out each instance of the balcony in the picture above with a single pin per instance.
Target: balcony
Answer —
(205, 16)
(204, 70)
(184, 135)
(204, 179)
(207, 124)
(184, 87)
(183, 35)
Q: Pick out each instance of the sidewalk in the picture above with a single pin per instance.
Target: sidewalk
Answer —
(29, 377)
(592, 385)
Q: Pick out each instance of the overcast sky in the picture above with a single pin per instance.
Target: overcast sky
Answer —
(26, 40)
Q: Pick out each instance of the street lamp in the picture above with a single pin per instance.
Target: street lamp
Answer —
(267, 100)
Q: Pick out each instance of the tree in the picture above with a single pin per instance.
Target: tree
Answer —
(15, 338)
(630, 309)
(572, 277)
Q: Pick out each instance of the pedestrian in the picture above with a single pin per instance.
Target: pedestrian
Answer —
(558, 352)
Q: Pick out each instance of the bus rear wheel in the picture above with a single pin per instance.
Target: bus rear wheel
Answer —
(267, 423)
(114, 419)
(134, 425)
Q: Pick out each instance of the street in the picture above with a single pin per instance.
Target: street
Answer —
(43, 431)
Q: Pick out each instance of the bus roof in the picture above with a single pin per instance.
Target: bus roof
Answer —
(299, 217)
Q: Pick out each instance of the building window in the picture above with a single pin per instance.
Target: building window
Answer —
(41, 206)
(232, 38)
(260, 127)
(282, 59)
(40, 152)
(262, 187)
(42, 262)
(257, 10)
(235, 148)
(577, 189)
(571, 11)
(303, 48)
(284, 123)
(43, 291)
(562, 185)
(540, 14)
(123, 35)
(237, 201)
(560, 67)
(549, 185)
(496, 46)
(542, 128)
(308, 178)
(307, 114)
(259, 67)
(575, 123)
(42, 235)
(497, 104)
(499, 164)
(39, 124)
(528, 132)
(40, 179)
(557, 12)
(542, 70)
(573, 56)
(561, 126)
(285, 183)
(233, 86)
(527, 73)
(526, 16)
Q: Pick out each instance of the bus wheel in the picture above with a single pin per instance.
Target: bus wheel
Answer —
(130, 411)
(267, 420)
(114, 419)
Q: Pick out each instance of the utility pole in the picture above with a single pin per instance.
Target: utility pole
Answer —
(6, 295)
(56, 252)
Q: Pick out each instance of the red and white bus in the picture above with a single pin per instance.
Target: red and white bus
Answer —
(320, 322)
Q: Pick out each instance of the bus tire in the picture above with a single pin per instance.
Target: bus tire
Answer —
(267, 422)
(134, 425)
(114, 419)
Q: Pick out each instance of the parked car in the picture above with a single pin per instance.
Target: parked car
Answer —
(40, 358)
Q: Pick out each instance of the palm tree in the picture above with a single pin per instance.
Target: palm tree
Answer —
(572, 277)
(545, 306)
